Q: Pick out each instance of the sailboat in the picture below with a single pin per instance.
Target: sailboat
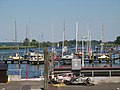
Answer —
(89, 49)
(78, 52)
(67, 57)
(65, 54)
(32, 55)
(17, 55)
(103, 55)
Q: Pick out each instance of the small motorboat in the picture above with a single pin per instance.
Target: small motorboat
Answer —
(104, 57)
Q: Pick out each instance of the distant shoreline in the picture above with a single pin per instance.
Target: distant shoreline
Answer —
(15, 47)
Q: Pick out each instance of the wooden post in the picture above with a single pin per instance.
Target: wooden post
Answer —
(92, 73)
(109, 73)
(46, 57)
(111, 60)
(92, 59)
(19, 63)
(119, 58)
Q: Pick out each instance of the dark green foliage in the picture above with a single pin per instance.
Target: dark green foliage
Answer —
(117, 41)
(26, 42)
(35, 43)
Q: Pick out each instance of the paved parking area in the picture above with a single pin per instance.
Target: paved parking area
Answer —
(37, 85)
(22, 85)
(101, 86)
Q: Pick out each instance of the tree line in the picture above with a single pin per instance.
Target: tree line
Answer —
(35, 43)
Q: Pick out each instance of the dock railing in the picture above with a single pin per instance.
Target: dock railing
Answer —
(97, 73)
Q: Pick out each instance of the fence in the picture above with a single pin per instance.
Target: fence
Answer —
(102, 73)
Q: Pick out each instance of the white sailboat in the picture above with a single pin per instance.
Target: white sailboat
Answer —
(103, 55)
(32, 55)
(89, 49)
(78, 52)
(63, 44)
(17, 55)
(76, 37)
(35, 56)
(89, 40)
(65, 54)
(53, 37)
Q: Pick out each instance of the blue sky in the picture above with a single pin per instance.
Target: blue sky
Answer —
(39, 14)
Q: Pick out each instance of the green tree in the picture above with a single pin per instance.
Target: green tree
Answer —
(34, 43)
(117, 41)
(26, 42)
(49, 44)
(95, 42)
(72, 42)
(60, 43)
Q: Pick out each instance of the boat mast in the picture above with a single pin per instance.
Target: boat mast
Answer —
(102, 37)
(76, 37)
(27, 38)
(17, 44)
(52, 61)
(39, 43)
(88, 42)
(16, 36)
(15, 33)
(53, 36)
(41, 40)
(90, 46)
(63, 39)
(30, 28)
